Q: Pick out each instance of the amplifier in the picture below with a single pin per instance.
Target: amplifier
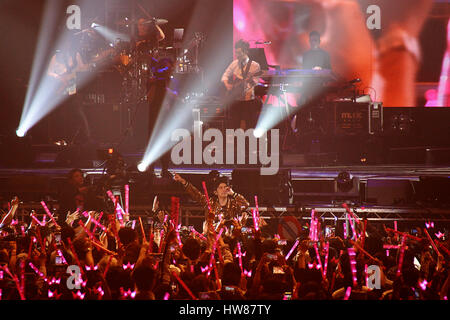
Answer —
(350, 118)
(211, 111)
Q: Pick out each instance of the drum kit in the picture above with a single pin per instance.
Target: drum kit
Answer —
(141, 62)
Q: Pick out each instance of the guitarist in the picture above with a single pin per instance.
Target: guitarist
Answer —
(240, 79)
(63, 68)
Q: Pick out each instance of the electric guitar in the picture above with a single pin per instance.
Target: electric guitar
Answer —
(239, 86)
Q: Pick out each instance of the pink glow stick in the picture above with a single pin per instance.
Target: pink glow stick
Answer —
(366, 275)
(404, 234)
(319, 263)
(351, 213)
(96, 223)
(327, 249)
(117, 206)
(257, 207)
(198, 234)
(352, 254)
(240, 256)
(255, 222)
(184, 285)
(49, 214)
(402, 253)
(37, 221)
(127, 198)
(119, 211)
(432, 242)
(347, 293)
(215, 247)
(166, 296)
(292, 249)
(205, 190)
(19, 289)
(345, 230)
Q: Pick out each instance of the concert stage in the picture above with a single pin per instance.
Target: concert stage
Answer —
(380, 193)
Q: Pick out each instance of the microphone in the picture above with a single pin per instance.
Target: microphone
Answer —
(263, 42)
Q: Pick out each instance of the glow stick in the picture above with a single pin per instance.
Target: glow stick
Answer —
(98, 245)
(345, 229)
(366, 275)
(38, 234)
(351, 213)
(402, 253)
(205, 190)
(107, 266)
(404, 234)
(166, 296)
(432, 242)
(319, 263)
(363, 237)
(240, 256)
(118, 209)
(22, 229)
(161, 235)
(444, 248)
(16, 281)
(365, 252)
(178, 237)
(62, 256)
(327, 249)
(22, 277)
(198, 234)
(355, 235)
(347, 293)
(127, 198)
(292, 249)
(142, 229)
(257, 208)
(214, 248)
(37, 221)
(117, 206)
(391, 246)
(75, 255)
(49, 214)
(184, 285)
(255, 222)
(97, 223)
(352, 254)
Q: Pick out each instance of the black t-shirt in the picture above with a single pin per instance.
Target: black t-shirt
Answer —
(316, 58)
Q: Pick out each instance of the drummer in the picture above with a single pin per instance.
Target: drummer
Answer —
(148, 35)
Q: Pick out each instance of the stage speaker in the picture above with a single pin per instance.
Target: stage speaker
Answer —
(271, 190)
(389, 192)
(434, 190)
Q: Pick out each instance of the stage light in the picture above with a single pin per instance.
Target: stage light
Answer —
(160, 141)
(20, 133)
(258, 132)
(344, 182)
(142, 167)
(43, 93)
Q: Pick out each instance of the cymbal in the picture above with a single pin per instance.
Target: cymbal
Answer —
(157, 21)
(127, 22)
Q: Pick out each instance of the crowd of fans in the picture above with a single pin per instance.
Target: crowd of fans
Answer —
(115, 256)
